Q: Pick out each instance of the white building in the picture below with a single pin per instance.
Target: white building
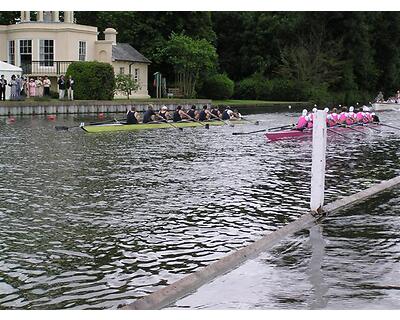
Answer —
(47, 46)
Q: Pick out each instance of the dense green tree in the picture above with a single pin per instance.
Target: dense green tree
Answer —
(189, 58)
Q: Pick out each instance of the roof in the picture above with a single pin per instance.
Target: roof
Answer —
(8, 67)
(125, 52)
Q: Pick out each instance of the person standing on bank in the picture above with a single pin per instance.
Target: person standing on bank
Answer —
(3, 85)
(32, 88)
(39, 87)
(61, 87)
(46, 86)
(70, 88)
(14, 88)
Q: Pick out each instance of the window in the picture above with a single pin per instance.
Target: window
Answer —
(25, 46)
(121, 70)
(136, 75)
(82, 50)
(46, 53)
(11, 52)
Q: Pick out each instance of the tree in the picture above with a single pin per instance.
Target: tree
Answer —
(126, 84)
(189, 58)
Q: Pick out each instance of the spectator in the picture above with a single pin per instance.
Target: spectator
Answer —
(46, 86)
(14, 88)
(39, 87)
(32, 88)
(3, 85)
(61, 87)
(70, 88)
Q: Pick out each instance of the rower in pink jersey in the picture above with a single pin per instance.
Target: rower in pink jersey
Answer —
(332, 118)
(311, 118)
(343, 116)
(303, 121)
(360, 116)
(369, 117)
(351, 116)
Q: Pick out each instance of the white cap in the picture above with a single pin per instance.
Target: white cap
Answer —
(304, 113)
(326, 109)
(314, 110)
(164, 108)
(351, 109)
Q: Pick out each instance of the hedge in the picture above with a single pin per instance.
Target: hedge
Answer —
(93, 80)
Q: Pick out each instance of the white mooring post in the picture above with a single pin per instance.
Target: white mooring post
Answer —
(318, 161)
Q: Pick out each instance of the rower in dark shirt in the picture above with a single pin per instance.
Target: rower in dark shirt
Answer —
(204, 114)
(149, 115)
(179, 114)
(164, 113)
(192, 112)
(226, 115)
(132, 117)
(215, 113)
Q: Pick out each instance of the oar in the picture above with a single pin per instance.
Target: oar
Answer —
(226, 122)
(351, 128)
(65, 128)
(205, 125)
(166, 121)
(255, 122)
(365, 125)
(387, 125)
(262, 130)
(340, 134)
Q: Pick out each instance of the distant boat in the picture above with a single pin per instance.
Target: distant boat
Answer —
(385, 106)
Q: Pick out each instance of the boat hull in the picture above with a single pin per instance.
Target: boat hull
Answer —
(112, 127)
(307, 133)
(385, 106)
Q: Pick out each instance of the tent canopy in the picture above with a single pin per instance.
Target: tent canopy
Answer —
(9, 67)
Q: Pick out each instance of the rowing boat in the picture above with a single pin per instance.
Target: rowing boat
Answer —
(110, 127)
(306, 133)
(385, 106)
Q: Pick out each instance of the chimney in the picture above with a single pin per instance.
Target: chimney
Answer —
(110, 34)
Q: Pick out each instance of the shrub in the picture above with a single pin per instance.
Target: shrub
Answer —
(93, 80)
(255, 87)
(218, 86)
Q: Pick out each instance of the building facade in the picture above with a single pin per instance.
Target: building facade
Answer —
(48, 46)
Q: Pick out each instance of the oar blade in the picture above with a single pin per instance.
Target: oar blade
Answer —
(61, 128)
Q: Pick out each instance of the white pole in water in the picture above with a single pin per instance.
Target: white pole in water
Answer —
(318, 161)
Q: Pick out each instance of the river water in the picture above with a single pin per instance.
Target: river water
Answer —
(98, 220)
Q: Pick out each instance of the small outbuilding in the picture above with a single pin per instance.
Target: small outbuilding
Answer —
(8, 70)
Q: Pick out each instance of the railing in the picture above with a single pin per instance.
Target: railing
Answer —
(50, 68)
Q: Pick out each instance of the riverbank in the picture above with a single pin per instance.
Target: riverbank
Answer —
(53, 106)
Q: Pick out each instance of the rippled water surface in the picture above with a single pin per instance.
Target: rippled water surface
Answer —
(98, 220)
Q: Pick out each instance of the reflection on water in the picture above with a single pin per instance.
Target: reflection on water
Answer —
(98, 220)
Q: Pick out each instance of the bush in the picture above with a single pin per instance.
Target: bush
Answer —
(93, 80)
(255, 87)
(218, 86)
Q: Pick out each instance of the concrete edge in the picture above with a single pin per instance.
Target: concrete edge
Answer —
(183, 287)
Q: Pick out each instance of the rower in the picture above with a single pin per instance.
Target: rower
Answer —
(310, 122)
(360, 115)
(192, 112)
(214, 113)
(179, 114)
(303, 120)
(237, 114)
(331, 118)
(132, 117)
(351, 116)
(375, 118)
(227, 114)
(149, 115)
(164, 113)
(343, 116)
(204, 114)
